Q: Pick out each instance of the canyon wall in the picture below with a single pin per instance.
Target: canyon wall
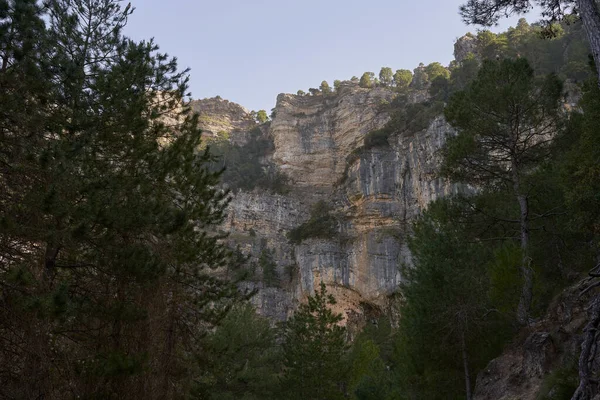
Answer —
(374, 194)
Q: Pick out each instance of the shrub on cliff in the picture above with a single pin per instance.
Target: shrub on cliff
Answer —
(243, 165)
(377, 138)
(367, 80)
(321, 224)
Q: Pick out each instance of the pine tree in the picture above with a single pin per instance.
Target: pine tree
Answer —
(325, 88)
(447, 320)
(488, 12)
(240, 359)
(262, 116)
(337, 85)
(367, 80)
(108, 209)
(402, 78)
(386, 76)
(313, 347)
(506, 120)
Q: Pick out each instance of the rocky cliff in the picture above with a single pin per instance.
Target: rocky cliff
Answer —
(374, 193)
(542, 362)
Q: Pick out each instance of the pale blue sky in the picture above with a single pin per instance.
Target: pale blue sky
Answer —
(250, 51)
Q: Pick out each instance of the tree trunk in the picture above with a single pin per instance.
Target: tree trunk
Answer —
(590, 16)
(527, 289)
(466, 367)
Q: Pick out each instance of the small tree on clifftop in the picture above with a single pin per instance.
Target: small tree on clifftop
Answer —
(325, 88)
(488, 12)
(367, 79)
(261, 116)
(402, 78)
(386, 76)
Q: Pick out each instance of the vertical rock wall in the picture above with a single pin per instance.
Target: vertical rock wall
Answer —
(375, 194)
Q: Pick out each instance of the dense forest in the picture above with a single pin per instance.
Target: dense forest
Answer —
(113, 265)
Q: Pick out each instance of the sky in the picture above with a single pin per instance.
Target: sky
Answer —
(250, 51)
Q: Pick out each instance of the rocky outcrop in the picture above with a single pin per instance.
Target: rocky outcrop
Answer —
(530, 367)
(218, 116)
(314, 134)
(465, 45)
(374, 193)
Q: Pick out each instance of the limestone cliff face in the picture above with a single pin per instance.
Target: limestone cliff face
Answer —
(374, 195)
(222, 116)
(314, 134)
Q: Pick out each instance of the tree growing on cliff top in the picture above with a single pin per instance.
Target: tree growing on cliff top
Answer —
(367, 80)
(325, 88)
(261, 116)
(506, 119)
(435, 69)
(386, 76)
(488, 12)
(402, 78)
(337, 85)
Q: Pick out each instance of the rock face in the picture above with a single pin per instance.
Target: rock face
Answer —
(524, 371)
(314, 134)
(223, 116)
(464, 46)
(374, 194)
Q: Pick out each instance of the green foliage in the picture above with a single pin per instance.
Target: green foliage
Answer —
(386, 76)
(366, 368)
(505, 121)
(560, 384)
(556, 19)
(301, 93)
(269, 268)
(370, 357)
(108, 210)
(243, 167)
(420, 78)
(367, 80)
(433, 328)
(464, 73)
(261, 116)
(580, 175)
(410, 118)
(491, 45)
(241, 359)
(484, 114)
(321, 224)
(313, 349)
(402, 78)
(377, 138)
(505, 279)
(325, 88)
(336, 85)
(435, 69)
(240, 268)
